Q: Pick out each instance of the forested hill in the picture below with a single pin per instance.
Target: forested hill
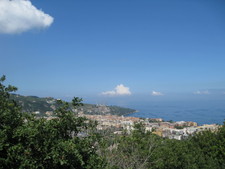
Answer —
(40, 106)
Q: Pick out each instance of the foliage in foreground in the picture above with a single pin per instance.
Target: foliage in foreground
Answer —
(68, 141)
(30, 142)
(144, 150)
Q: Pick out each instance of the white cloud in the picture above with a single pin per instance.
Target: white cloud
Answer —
(119, 90)
(154, 93)
(202, 92)
(18, 16)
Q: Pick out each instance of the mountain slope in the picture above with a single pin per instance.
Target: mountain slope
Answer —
(47, 105)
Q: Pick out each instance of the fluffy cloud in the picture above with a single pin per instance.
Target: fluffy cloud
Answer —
(18, 16)
(154, 93)
(119, 90)
(202, 92)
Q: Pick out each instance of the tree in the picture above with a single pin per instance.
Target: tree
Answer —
(134, 151)
(211, 144)
(144, 150)
(66, 141)
(10, 119)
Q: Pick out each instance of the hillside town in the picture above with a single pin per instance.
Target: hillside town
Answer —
(173, 130)
(114, 118)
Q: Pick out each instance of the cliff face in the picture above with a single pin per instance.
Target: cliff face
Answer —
(46, 106)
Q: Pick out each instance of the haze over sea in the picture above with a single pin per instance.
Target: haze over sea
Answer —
(203, 109)
(200, 112)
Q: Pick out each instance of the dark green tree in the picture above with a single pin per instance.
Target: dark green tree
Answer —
(66, 141)
(10, 120)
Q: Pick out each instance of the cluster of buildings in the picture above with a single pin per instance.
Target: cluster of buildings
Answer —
(172, 130)
(107, 121)
(180, 134)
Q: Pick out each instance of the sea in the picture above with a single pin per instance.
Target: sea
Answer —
(203, 109)
(206, 112)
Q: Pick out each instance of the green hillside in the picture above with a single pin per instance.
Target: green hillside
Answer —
(40, 106)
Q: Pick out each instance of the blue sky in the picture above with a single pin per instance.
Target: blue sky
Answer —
(122, 47)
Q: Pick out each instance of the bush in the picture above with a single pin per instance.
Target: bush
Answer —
(30, 142)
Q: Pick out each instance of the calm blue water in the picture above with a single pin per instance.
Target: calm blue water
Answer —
(200, 112)
(203, 109)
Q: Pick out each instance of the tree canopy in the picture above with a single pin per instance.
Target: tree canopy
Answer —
(30, 142)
